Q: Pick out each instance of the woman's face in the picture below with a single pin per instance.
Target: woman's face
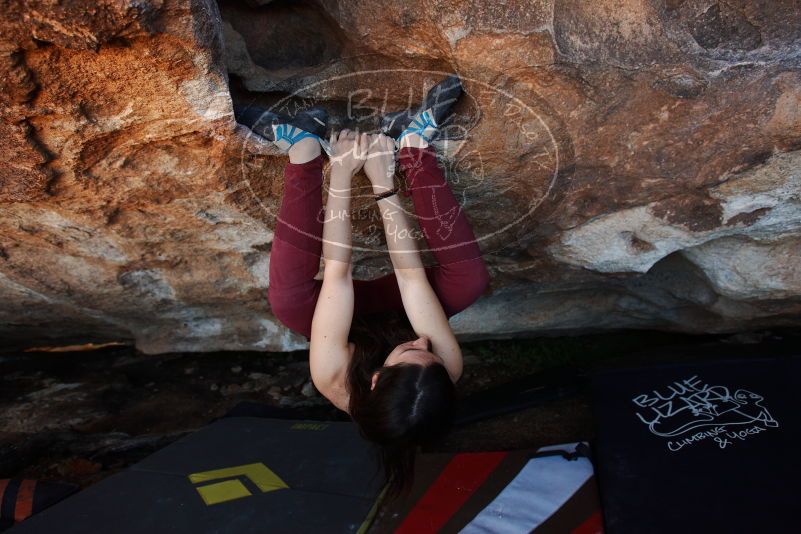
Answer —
(415, 352)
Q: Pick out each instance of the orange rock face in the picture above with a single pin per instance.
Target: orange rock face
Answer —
(624, 164)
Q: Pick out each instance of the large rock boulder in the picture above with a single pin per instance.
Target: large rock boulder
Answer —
(625, 164)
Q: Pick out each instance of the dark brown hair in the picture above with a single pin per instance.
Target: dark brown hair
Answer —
(411, 404)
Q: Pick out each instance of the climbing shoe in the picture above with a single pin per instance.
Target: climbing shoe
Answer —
(283, 130)
(428, 116)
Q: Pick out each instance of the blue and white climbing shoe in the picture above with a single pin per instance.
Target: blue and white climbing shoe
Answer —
(283, 130)
(426, 119)
(286, 135)
(423, 124)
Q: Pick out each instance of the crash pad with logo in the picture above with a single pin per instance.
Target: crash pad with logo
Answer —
(703, 447)
(237, 475)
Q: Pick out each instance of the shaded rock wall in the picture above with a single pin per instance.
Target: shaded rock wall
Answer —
(626, 164)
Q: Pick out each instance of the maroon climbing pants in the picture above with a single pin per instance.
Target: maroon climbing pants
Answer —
(458, 279)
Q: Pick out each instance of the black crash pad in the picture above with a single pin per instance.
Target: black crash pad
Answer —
(707, 447)
(278, 476)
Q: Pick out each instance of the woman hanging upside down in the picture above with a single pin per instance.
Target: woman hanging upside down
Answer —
(381, 350)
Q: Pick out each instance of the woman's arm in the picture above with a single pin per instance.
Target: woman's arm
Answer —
(422, 306)
(427, 317)
(329, 353)
(336, 224)
(400, 234)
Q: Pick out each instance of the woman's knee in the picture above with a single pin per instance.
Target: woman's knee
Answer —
(280, 306)
(473, 280)
(478, 281)
(293, 310)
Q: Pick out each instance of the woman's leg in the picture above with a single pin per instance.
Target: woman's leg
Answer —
(297, 242)
(460, 276)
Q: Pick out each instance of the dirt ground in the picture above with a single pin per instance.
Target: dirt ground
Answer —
(82, 416)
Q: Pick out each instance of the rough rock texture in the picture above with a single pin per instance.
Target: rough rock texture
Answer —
(626, 164)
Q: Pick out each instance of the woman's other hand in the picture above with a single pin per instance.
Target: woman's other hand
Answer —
(349, 151)
(380, 164)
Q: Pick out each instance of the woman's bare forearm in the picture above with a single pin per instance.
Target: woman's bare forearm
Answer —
(337, 225)
(401, 237)
(400, 234)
